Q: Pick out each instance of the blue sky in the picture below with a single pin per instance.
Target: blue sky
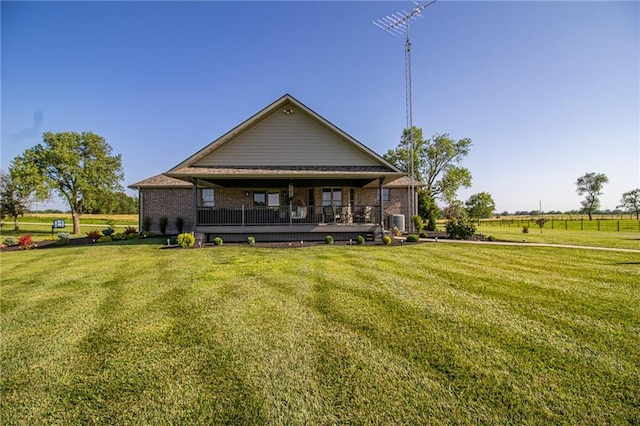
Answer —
(546, 90)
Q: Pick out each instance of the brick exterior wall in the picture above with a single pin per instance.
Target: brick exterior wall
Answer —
(169, 202)
(174, 202)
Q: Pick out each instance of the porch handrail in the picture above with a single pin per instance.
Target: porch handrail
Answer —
(288, 215)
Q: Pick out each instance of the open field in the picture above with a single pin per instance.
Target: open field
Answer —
(102, 219)
(560, 236)
(428, 333)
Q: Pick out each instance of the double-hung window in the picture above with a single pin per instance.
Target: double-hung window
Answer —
(207, 195)
(331, 196)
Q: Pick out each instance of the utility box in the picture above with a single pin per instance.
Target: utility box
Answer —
(397, 220)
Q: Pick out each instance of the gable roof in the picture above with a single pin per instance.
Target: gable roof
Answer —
(285, 137)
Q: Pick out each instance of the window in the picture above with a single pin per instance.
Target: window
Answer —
(259, 198)
(263, 198)
(207, 197)
(274, 199)
(331, 197)
(385, 194)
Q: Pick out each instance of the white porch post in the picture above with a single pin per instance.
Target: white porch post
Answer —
(195, 204)
(380, 182)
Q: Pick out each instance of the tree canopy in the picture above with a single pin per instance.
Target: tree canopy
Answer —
(480, 205)
(79, 167)
(630, 201)
(437, 162)
(591, 185)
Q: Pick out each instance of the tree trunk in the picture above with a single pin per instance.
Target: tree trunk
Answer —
(76, 221)
(589, 214)
(16, 225)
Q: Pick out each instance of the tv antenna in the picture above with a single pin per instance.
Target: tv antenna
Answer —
(398, 24)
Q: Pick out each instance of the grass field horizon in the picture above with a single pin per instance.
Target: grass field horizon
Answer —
(430, 333)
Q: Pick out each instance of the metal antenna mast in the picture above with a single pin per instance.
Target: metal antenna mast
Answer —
(398, 24)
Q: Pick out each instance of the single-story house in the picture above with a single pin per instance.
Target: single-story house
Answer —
(284, 174)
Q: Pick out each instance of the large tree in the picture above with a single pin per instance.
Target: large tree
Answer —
(590, 185)
(437, 162)
(480, 205)
(79, 167)
(631, 202)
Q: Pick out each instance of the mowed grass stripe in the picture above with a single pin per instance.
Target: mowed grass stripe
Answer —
(322, 335)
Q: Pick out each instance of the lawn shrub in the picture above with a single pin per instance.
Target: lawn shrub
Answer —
(251, 241)
(413, 238)
(525, 229)
(130, 230)
(417, 222)
(186, 240)
(217, 241)
(460, 229)
(423, 234)
(133, 236)
(25, 241)
(179, 222)
(491, 238)
(94, 235)
(104, 239)
(108, 232)
(162, 224)
(64, 235)
(119, 236)
(396, 231)
(148, 234)
(386, 240)
(328, 239)
(146, 224)
(62, 241)
(10, 241)
(360, 240)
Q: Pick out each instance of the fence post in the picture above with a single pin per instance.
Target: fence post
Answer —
(618, 226)
(598, 224)
(582, 223)
(566, 225)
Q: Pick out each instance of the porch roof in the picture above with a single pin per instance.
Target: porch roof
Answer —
(367, 175)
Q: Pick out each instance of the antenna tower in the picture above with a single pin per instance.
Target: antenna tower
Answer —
(398, 24)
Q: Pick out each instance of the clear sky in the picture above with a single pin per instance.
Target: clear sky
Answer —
(546, 90)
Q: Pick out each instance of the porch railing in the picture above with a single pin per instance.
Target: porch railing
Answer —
(287, 215)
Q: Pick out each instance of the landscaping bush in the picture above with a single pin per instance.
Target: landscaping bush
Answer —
(179, 224)
(217, 241)
(386, 240)
(525, 229)
(461, 228)
(148, 234)
(132, 236)
(251, 241)
(417, 222)
(186, 240)
(130, 230)
(413, 238)
(162, 224)
(25, 241)
(10, 241)
(94, 235)
(491, 238)
(62, 242)
(119, 236)
(104, 239)
(423, 234)
(64, 235)
(360, 240)
(396, 231)
(146, 224)
(328, 239)
(108, 232)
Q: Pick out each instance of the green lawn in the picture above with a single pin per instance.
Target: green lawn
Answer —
(560, 236)
(430, 333)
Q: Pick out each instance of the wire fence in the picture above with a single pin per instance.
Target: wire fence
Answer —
(579, 224)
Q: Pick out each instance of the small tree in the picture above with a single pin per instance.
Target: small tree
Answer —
(179, 222)
(162, 224)
(591, 185)
(16, 189)
(631, 202)
(480, 205)
(540, 222)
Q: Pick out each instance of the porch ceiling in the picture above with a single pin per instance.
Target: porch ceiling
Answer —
(282, 176)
